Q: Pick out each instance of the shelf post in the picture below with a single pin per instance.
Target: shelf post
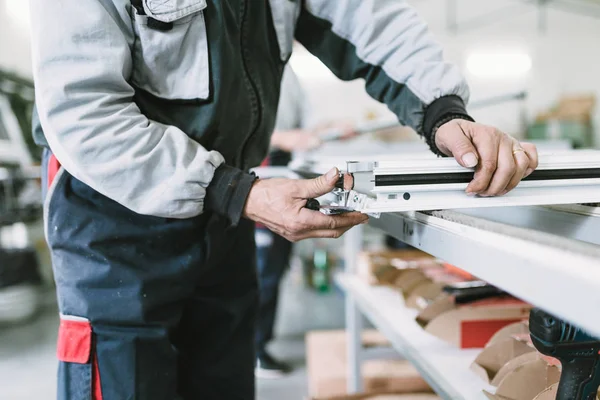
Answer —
(352, 246)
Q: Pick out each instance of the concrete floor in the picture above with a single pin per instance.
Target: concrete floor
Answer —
(28, 363)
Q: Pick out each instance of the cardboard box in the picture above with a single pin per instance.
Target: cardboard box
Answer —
(326, 362)
(578, 108)
(513, 365)
(548, 394)
(408, 280)
(551, 392)
(471, 325)
(501, 356)
(412, 396)
(384, 396)
(516, 329)
(526, 381)
(424, 294)
(570, 119)
(383, 267)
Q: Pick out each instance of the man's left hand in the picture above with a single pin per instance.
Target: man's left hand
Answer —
(500, 161)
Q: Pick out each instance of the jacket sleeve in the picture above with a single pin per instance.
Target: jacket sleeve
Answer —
(82, 63)
(386, 43)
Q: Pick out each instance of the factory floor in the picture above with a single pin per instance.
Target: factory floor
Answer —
(28, 363)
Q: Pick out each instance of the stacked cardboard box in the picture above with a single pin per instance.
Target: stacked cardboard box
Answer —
(511, 364)
(327, 367)
(571, 119)
(384, 396)
(420, 279)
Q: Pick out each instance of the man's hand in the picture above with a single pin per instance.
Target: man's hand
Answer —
(279, 205)
(500, 160)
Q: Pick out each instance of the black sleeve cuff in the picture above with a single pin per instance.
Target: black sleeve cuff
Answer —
(439, 112)
(227, 192)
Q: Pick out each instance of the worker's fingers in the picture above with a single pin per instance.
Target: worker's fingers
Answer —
(313, 224)
(505, 168)
(532, 155)
(522, 164)
(348, 181)
(487, 143)
(316, 187)
(452, 138)
(324, 234)
(314, 220)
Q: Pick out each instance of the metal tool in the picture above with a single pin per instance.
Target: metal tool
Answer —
(471, 291)
(577, 351)
(345, 201)
(335, 208)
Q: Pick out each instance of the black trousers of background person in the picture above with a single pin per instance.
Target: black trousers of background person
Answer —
(272, 261)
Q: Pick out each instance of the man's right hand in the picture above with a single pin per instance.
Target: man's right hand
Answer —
(279, 205)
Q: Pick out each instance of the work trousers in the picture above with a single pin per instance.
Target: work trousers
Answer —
(273, 258)
(151, 308)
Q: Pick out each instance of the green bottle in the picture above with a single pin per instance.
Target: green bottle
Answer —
(321, 270)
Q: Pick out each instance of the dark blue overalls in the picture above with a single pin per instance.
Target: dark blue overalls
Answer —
(169, 304)
(157, 308)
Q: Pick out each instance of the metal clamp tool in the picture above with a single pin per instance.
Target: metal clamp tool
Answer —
(346, 200)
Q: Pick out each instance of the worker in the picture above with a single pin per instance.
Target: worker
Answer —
(292, 134)
(152, 113)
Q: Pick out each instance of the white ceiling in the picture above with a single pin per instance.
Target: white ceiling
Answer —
(509, 16)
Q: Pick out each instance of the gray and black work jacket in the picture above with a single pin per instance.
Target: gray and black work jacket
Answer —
(161, 105)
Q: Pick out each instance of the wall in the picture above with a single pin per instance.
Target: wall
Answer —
(565, 60)
(14, 37)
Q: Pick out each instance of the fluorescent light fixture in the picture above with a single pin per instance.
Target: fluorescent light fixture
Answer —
(499, 64)
(18, 10)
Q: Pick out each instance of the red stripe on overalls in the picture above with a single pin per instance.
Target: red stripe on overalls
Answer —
(53, 167)
(75, 344)
(96, 387)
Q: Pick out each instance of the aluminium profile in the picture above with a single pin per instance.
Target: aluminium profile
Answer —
(434, 184)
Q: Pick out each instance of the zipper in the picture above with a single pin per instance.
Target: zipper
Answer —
(257, 107)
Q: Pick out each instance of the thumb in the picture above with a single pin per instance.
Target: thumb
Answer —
(461, 147)
(319, 186)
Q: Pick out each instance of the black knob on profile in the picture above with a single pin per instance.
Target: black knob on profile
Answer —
(313, 204)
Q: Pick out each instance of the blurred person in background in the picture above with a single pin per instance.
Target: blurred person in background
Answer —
(291, 134)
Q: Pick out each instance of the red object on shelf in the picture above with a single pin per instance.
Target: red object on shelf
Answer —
(476, 333)
(457, 271)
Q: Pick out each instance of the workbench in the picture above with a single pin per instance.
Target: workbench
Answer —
(548, 256)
